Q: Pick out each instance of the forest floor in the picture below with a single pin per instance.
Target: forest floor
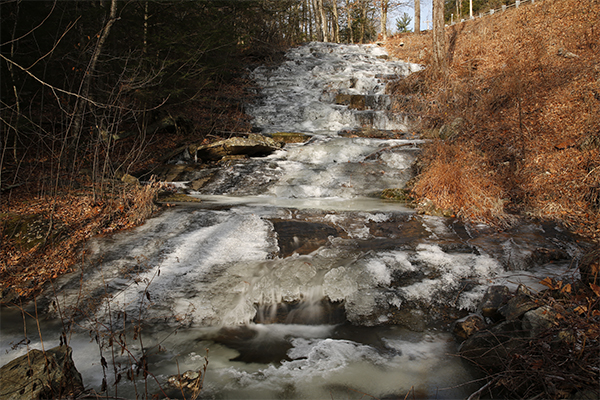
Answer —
(515, 118)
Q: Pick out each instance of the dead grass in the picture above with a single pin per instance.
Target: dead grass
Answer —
(525, 86)
(458, 178)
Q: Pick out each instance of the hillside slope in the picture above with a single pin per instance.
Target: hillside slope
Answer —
(516, 118)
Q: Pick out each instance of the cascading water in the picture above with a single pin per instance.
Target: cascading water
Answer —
(298, 279)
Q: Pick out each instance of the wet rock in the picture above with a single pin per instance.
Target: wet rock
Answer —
(518, 305)
(493, 299)
(542, 255)
(466, 327)
(130, 180)
(200, 182)
(252, 146)
(39, 375)
(290, 137)
(428, 207)
(177, 198)
(413, 319)
(538, 320)
(191, 380)
(301, 237)
(233, 158)
(491, 348)
(353, 101)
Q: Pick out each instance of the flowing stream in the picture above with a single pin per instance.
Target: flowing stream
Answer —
(295, 276)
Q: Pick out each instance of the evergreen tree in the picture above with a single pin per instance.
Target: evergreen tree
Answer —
(403, 22)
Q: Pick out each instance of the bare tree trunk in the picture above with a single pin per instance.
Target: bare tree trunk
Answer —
(336, 22)
(14, 87)
(145, 48)
(80, 105)
(417, 16)
(363, 14)
(349, 15)
(321, 20)
(313, 15)
(458, 10)
(384, 14)
(439, 37)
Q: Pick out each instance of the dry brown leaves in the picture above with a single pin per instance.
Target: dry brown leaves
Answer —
(527, 84)
(75, 217)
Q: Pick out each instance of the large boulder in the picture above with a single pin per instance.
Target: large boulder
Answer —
(252, 146)
(522, 302)
(538, 320)
(41, 375)
(495, 297)
(290, 137)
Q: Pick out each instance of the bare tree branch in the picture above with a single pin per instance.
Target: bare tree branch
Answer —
(53, 88)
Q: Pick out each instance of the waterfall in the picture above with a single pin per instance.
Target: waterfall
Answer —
(293, 271)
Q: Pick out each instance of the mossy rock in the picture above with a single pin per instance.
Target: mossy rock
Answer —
(427, 207)
(177, 198)
(290, 137)
(28, 231)
(402, 195)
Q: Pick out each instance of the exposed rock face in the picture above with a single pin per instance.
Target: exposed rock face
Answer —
(39, 375)
(253, 146)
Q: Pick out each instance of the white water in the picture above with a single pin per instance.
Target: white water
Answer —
(356, 309)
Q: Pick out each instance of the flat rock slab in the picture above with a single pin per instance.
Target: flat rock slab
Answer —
(290, 137)
(41, 375)
(301, 237)
(252, 146)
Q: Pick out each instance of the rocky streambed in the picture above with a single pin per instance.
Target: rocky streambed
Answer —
(294, 272)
